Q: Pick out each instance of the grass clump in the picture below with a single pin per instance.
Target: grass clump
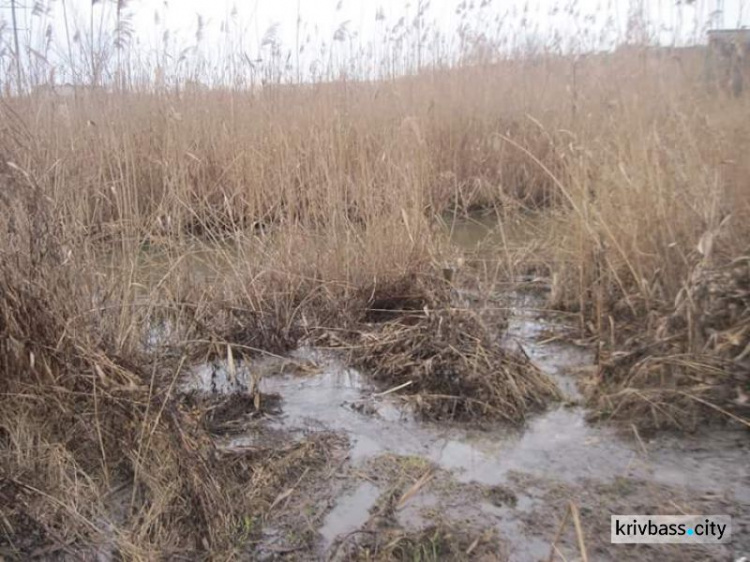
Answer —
(446, 359)
(322, 199)
(98, 453)
(438, 542)
(693, 366)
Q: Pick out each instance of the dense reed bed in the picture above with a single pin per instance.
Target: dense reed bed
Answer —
(275, 214)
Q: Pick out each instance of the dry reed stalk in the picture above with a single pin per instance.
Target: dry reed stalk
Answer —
(453, 368)
(312, 196)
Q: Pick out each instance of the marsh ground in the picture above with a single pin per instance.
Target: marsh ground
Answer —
(416, 318)
(395, 487)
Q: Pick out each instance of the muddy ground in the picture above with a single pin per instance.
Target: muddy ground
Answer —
(389, 486)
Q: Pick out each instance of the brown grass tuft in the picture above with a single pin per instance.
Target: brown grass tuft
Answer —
(449, 362)
(693, 365)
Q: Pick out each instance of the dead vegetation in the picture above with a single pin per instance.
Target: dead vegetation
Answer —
(448, 363)
(98, 453)
(222, 414)
(434, 543)
(692, 365)
(324, 201)
(384, 536)
(445, 360)
(78, 422)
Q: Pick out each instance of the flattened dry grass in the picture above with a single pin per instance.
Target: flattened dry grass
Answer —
(454, 368)
(445, 359)
(439, 542)
(97, 452)
(693, 366)
(337, 189)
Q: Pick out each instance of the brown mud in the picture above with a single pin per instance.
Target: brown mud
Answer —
(397, 486)
(506, 488)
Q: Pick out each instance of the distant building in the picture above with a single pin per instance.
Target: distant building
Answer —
(728, 58)
(729, 36)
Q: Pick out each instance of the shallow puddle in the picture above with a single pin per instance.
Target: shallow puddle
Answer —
(557, 445)
(350, 512)
(472, 231)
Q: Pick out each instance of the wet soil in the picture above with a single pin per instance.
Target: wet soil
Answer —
(486, 480)
(397, 487)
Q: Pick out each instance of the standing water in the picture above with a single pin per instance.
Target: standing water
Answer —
(516, 482)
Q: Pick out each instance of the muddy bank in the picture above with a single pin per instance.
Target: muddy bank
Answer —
(506, 487)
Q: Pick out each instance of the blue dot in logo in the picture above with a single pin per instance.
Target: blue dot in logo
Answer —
(690, 532)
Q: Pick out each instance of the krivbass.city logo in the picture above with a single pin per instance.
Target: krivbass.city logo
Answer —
(671, 529)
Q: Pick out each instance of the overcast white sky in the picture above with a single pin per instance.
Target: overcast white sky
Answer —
(670, 20)
(361, 13)
(257, 15)
(327, 15)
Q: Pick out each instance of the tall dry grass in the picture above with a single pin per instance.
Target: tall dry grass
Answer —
(634, 160)
(266, 214)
